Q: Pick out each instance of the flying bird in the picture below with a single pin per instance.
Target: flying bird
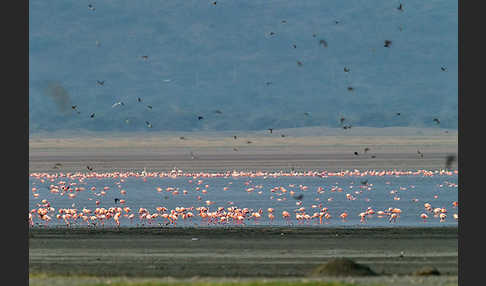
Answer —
(91, 7)
(356, 153)
(100, 82)
(350, 88)
(436, 120)
(294, 45)
(139, 99)
(92, 115)
(268, 83)
(299, 197)
(234, 137)
(218, 111)
(149, 106)
(323, 42)
(306, 113)
(420, 153)
(387, 43)
(314, 35)
(398, 113)
(272, 33)
(200, 118)
(336, 21)
(89, 168)
(365, 182)
(347, 126)
(193, 157)
(346, 69)
(214, 3)
(299, 63)
(443, 68)
(282, 135)
(400, 7)
(284, 22)
(449, 160)
(148, 124)
(271, 130)
(117, 200)
(117, 104)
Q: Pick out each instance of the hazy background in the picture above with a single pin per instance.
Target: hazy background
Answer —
(204, 57)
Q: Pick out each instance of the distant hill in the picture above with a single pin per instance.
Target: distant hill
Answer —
(235, 64)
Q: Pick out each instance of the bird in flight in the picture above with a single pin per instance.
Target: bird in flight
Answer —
(323, 42)
(443, 68)
(346, 69)
(356, 153)
(294, 45)
(299, 63)
(118, 104)
(100, 82)
(92, 115)
(387, 43)
(436, 120)
(350, 88)
(200, 118)
(449, 160)
(139, 99)
(299, 197)
(89, 168)
(149, 125)
(117, 200)
(400, 7)
(218, 111)
(420, 153)
(347, 126)
(284, 22)
(282, 135)
(271, 130)
(91, 7)
(149, 106)
(398, 113)
(234, 137)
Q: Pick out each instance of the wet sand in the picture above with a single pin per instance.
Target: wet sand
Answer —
(238, 251)
(220, 152)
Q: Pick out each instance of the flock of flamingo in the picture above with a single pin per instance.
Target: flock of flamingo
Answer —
(71, 184)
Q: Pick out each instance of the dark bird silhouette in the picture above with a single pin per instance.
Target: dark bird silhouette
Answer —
(346, 69)
(314, 35)
(117, 200)
(139, 99)
(272, 33)
(387, 43)
(299, 63)
(218, 111)
(443, 68)
(373, 156)
(299, 197)
(215, 2)
(323, 42)
(306, 113)
(365, 182)
(89, 168)
(248, 142)
(91, 7)
(420, 153)
(271, 130)
(282, 135)
(284, 22)
(92, 115)
(149, 106)
(268, 83)
(347, 126)
(149, 125)
(336, 21)
(400, 7)
(294, 45)
(350, 88)
(449, 160)
(398, 113)
(74, 107)
(436, 120)
(100, 82)
(234, 137)
(200, 118)
(356, 153)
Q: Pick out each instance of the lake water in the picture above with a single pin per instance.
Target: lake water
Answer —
(345, 192)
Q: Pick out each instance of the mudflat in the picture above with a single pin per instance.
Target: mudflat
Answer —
(309, 149)
(238, 251)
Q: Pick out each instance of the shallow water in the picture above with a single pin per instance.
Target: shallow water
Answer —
(339, 194)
